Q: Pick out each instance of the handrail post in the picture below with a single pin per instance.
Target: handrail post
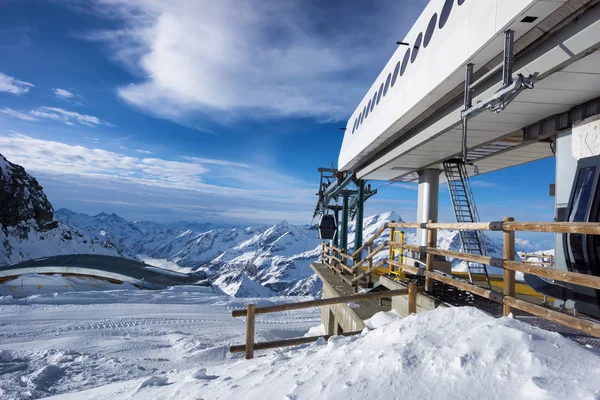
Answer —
(370, 276)
(392, 233)
(509, 276)
(250, 325)
(322, 252)
(412, 298)
(431, 242)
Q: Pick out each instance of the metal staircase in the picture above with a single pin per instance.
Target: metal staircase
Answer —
(465, 210)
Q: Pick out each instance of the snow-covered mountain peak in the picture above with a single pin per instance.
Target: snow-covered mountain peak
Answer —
(28, 228)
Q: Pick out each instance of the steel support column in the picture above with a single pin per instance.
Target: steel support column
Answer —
(427, 203)
(358, 227)
(336, 238)
(344, 232)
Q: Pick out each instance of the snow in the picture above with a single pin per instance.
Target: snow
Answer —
(153, 381)
(318, 330)
(163, 263)
(53, 343)
(446, 353)
(381, 318)
(35, 284)
(58, 241)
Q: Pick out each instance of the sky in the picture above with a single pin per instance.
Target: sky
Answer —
(204, 110)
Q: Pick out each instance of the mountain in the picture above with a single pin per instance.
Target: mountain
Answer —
(141, 237)
(255, 261)
(27, 225)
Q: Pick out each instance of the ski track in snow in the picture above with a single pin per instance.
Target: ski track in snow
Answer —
(57, 343)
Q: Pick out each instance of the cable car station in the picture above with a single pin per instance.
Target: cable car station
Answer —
(475, 86)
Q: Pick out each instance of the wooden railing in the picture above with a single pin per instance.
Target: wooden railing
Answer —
(352, 270)
(337, 260)
(251, 311)
(545, 260)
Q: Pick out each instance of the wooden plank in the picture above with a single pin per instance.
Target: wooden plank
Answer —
(431, 243)
(288, 342)
(332, 257)
(460, 284)
(509, 276)
(585, 326)
(460, 255)
(370, 256)
(369, 271)
(250, 325)
(586, 228)
(412, 298)
(559, 275)
(405, 267)
(371, 239)
(370, 280)
(323, 302)
(440, 225)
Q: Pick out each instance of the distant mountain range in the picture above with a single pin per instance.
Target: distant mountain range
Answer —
(259, 260)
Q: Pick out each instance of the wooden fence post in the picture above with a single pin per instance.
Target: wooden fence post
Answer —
(509, 276)
(431, 242)
(370, 276)
(322, 252)
(392, 233)
(250, 324)
(412, 298)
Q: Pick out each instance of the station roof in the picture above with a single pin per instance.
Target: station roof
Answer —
(416, 123)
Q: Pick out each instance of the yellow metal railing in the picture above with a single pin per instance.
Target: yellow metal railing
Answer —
(397, 254)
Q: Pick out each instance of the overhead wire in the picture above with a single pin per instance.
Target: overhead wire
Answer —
(305, 244)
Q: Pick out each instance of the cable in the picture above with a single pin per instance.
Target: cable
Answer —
(388, 184)
(305, 245)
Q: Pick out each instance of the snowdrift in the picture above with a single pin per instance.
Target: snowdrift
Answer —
(459, 353)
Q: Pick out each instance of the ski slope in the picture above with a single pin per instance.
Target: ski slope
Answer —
(54, 343)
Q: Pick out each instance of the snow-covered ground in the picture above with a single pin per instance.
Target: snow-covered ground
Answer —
(55, 343)
(173, 344)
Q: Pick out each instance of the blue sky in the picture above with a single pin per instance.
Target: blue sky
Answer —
(204, 110)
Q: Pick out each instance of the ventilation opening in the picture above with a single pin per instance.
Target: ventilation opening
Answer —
(529, 19)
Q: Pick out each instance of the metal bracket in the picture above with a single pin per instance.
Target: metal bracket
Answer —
(496, 226)
(496, 262)
(502, 98)
(497, 297)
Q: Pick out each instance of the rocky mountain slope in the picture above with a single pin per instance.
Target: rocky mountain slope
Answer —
(27, 225)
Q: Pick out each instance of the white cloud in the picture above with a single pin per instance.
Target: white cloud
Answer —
(68, 117)
(225, 58)
(13, 85)
(16, 114)
(95, 175)
(144, 151)
(63, 93)
(68, 96)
